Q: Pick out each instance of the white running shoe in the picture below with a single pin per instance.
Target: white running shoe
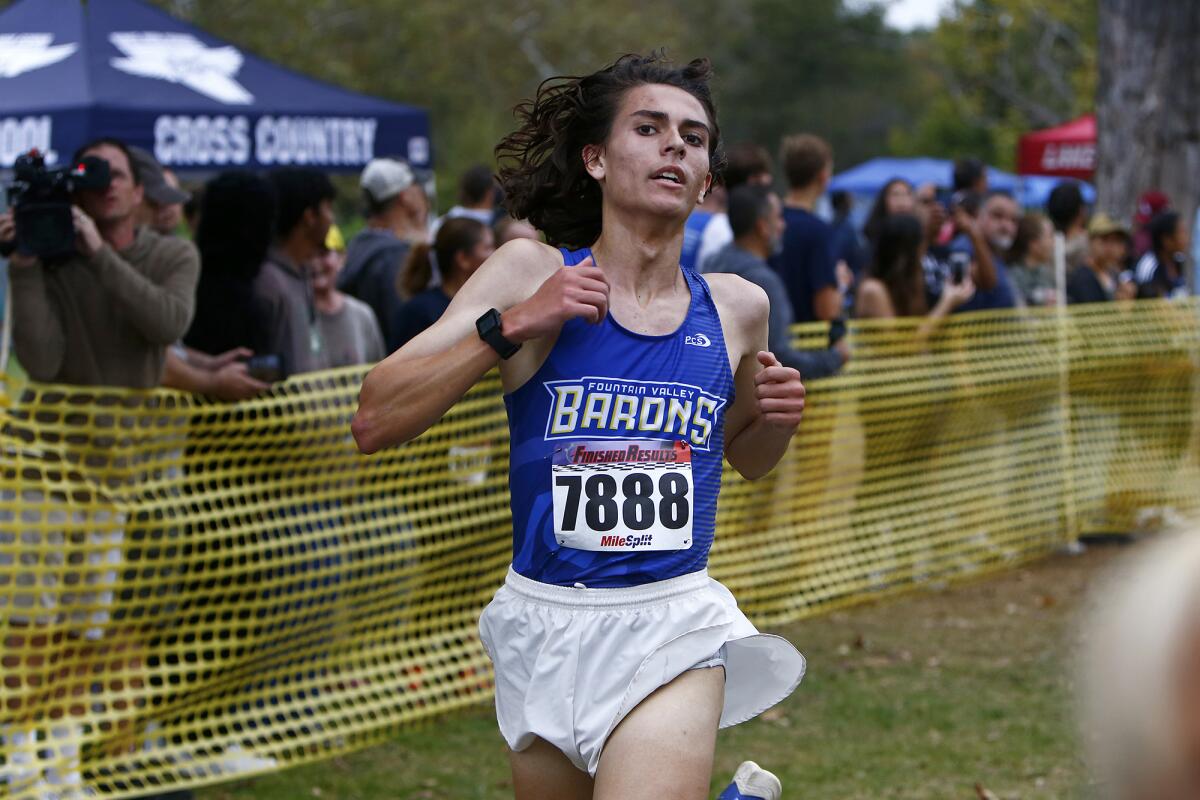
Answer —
(752, 782)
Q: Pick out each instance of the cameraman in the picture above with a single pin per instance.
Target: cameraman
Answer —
(104, 316)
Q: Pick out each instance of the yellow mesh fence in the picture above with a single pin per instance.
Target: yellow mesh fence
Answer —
(192, 592)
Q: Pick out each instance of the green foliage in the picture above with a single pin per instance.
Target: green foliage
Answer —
(996, 69)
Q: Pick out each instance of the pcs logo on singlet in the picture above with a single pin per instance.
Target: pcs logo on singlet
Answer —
(624, 409)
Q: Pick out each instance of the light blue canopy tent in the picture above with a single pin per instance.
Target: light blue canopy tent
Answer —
(866, 179)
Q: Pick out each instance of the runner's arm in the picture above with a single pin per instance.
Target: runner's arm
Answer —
(413, 387)
(769, 397)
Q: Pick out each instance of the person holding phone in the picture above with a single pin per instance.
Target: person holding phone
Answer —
(895, 282)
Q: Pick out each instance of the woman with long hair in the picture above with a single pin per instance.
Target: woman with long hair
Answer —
(461, 246)
(895, 282)
(628, 379)
(896, 197)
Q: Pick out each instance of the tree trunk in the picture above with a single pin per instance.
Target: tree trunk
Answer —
(1148, 104)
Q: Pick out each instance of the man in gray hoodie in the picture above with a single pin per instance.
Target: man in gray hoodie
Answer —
(756, 217)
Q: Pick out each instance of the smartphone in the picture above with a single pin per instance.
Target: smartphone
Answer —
(837, 330)
(960, 266)
(266, 368)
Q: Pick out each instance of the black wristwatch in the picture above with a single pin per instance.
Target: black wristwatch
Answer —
(489, 330)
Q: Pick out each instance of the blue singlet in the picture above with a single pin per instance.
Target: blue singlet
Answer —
(616, 450)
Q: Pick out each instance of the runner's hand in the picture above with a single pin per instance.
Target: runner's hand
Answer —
(579, 291)
(779, 393)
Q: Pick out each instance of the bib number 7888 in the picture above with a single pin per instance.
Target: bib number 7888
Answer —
(622, 506)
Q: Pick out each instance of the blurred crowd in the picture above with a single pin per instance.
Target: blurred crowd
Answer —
(248, 279)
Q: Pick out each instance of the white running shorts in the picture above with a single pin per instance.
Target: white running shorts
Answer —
(571, 663)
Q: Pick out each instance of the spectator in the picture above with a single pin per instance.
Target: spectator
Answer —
(986, 239)
(1096, 281)
(896, 197)
(745, 162)
(970, 175)
(476, 196)
(712, 203)
(807, 263)
(191, 211)
(507, 229)
(1161, 272)
(347, 326)
(225, 377)
(895, 282)
(304, 198)
(1069, 215)
(237, 226)
(935, 256)
(847, 246)
(106, 314)
(1029, 261)
(1149, 205)
(396, 209)
(460, 247)
(162, 199)
(756, 216)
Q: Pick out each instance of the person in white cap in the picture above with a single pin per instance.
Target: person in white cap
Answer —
(396, 211)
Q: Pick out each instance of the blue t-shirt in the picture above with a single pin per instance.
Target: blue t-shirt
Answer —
(416, 315)
(693, 237)
(999, 296)
(599, 440)
(806, 263)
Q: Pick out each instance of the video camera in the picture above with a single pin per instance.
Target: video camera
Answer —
(41, 203)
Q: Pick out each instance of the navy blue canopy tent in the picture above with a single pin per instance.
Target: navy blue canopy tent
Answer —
(71, 72)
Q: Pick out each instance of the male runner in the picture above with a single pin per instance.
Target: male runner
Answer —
(627, 378)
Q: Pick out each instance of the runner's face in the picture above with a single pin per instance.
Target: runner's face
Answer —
(656, 157)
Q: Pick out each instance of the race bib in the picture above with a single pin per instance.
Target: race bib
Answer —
(620, 496)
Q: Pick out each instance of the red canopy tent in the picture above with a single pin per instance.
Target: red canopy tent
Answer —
(1067, 150)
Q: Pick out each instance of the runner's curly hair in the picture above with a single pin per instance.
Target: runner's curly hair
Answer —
(541, 163)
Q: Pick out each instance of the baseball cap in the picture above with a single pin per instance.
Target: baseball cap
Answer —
(1103, 225)
(154, 185)
(1150, 203)
(384, 178)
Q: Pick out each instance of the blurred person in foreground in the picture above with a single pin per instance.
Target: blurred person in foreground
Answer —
(1069, 215)
(348, 329)
(756, 216)
(806, 262)
(397, 211)
(1162, 271)
(304, 212)
(162, 199)
(895, 282)
(1139, 672)
(1029, 261)
(460, 247)
(745, 162)
(105, 315)
(1097, 281)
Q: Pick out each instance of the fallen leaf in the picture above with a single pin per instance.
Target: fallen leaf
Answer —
(984, 794)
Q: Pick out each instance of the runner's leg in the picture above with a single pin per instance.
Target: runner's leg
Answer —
(664, 749)
(542, 772)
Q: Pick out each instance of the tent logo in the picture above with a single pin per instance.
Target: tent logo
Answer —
(25, 52)
(182, 58)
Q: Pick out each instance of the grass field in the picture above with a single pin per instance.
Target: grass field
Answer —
(921, 696)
